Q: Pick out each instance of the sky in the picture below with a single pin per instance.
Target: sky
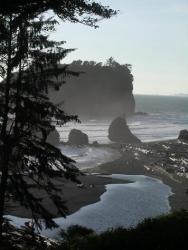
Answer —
(152, 35)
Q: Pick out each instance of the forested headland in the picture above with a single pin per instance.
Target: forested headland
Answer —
(102, 90)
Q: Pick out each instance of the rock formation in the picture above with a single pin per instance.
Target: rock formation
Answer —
(120, 132)
(77, 137)
(53, 138)
(183, 135)
(103, 90)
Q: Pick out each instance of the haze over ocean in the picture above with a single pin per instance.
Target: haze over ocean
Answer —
(167, 115)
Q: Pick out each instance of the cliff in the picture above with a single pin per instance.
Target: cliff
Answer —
(101, 91)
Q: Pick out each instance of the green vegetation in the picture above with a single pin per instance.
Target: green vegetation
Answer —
(163, 233)
(27, 116)
(28, 69)
(87, 12)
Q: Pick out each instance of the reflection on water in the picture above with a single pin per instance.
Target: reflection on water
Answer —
(121, 205)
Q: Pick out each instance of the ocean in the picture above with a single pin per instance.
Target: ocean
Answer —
(166, 116)
(142, 198)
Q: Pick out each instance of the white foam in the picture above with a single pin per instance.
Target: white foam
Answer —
(88, 157)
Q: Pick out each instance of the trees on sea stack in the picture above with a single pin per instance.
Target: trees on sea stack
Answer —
(29, 67)
(110, 83)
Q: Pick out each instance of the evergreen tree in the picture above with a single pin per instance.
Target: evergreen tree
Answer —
(83, 11)
(29, 67)
(27, 116)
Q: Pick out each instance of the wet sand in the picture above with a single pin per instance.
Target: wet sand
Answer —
(94, 185)
(179, 199)
(74, 196)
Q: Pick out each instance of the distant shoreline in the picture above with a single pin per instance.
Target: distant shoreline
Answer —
(160, 95)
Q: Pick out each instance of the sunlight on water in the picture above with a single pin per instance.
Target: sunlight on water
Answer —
(121, 205)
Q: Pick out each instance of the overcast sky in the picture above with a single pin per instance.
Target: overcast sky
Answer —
(152, 35)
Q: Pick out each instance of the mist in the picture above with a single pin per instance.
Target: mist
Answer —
(101, 90)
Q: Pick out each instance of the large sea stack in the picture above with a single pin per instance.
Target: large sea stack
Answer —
(119, 132)
(101, 91)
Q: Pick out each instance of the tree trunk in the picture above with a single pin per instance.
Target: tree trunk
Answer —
(5, 154)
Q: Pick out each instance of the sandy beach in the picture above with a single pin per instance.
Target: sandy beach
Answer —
(130, 163)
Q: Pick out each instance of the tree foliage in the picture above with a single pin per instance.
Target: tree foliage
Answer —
(27, 116)
(83, 11)
(29, 68)
(166, 232)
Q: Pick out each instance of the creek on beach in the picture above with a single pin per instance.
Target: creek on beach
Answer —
(122, 205)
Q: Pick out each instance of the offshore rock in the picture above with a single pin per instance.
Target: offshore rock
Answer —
(53, 138)
(120, 132)
(183, 135)
(77, 137)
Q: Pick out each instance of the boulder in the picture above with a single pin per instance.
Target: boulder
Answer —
(95, 143)
(77, 137)
(53, 138)
(183, 135)
(120, 132)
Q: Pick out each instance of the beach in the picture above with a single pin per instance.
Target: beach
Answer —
(135, 159)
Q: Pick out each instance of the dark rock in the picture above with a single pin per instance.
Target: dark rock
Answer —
(183, 135)
(120, 132)
(110, 86)
(95, 143)
(53, 138)
(77, 137)
(140, 113)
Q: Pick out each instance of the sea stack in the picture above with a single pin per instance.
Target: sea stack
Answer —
(183, 135)
(119, 132)
(53, 138)
(77, 137)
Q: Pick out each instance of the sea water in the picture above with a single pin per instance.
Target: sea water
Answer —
(166, 116)
(88, 156)
(125, 204)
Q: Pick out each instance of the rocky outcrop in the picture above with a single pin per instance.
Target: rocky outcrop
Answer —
(53, 138)
(101, 91)
(95, 144)
(183, 135)
(119, 132)
(77, 137)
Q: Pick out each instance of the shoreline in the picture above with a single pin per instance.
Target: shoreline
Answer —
(179, 198)
(134, 162)
(94, 185)
(75, 197)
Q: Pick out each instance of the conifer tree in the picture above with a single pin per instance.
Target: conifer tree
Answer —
(27, 116)
(29, 67)
(77, 11)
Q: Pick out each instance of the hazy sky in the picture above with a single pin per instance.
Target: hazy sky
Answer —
(152, 35)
